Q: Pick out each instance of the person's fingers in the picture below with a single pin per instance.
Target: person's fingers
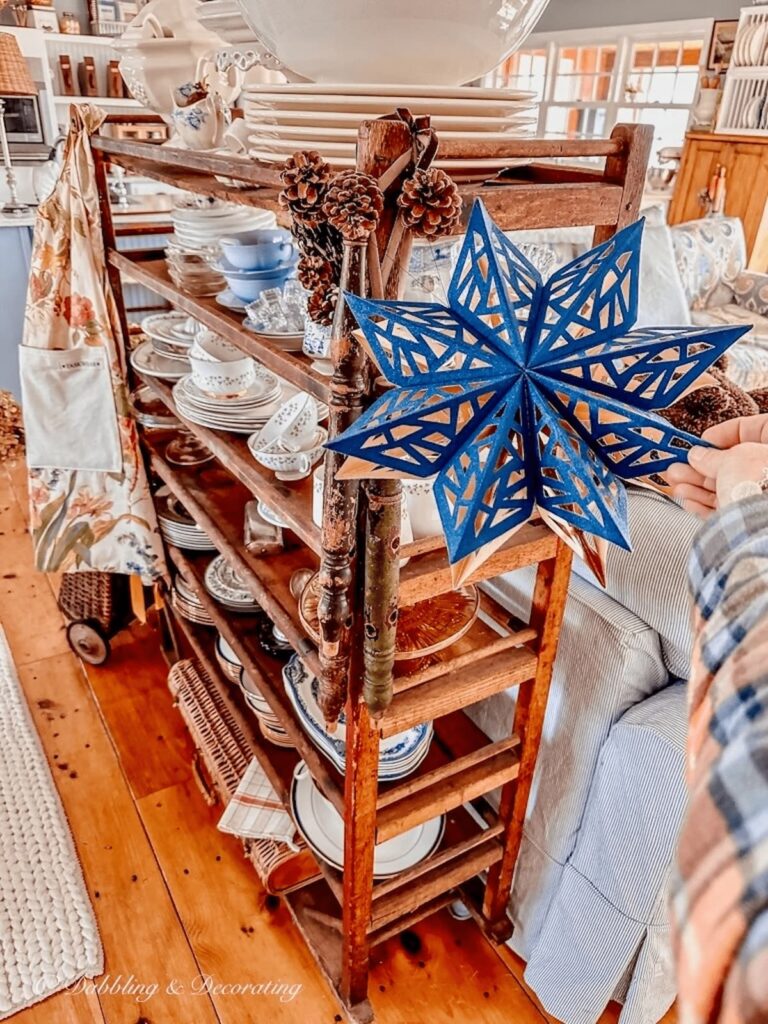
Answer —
(697, 509)
(707, 461)
(737, 431)
(699, 495)
(682, 473)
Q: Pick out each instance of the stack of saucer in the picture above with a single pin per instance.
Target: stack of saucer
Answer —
(186, 602)
(268, 720)
(241, 413)
(399, 755)
(224, 584)
(164, 353)
(177, 525)
(228, 661)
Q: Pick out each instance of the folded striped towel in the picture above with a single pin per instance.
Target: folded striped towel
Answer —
(256, 812)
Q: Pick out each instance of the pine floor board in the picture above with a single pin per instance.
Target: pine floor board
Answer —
(177, 902)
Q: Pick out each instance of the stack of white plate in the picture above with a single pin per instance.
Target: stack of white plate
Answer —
(165, 352)
(322, 828)
(224, 584)
(187, 604)
(398, 756)
(199, 223)
(242, 414)
(268, 720)
(177, 525)
(228, 661)
(325, 117)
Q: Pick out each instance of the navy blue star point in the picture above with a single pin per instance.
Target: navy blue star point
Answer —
(521, 393)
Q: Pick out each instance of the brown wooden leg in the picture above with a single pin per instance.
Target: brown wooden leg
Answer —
(549, 596)
(360, 790)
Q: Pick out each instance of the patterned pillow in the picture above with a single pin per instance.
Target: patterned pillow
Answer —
(751, 291)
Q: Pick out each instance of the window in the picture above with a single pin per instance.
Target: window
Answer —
(644, 74)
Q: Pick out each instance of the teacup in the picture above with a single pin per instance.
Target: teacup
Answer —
(221, 379)
(291, 465)
(201, 124)
(260, 249)
(248, 285)
(292, 428)
(419, 497)
(236, 137)
(211, 346)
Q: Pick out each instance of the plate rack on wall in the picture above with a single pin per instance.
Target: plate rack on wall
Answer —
(343, 915)
(744, 105)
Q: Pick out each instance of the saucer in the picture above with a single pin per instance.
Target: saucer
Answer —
(229, 300)
(144, 359)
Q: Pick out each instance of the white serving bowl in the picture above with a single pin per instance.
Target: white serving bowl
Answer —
(414, 42)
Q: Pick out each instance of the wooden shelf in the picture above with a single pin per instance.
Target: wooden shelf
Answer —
(293, 367)
(196, 171)
(294, 500)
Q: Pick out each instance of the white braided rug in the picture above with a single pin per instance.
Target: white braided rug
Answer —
(48, 933)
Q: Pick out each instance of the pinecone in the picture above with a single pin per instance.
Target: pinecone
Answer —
(353, 205)
(313, 271)
(322, 304)
(431, 203)
(305, 178)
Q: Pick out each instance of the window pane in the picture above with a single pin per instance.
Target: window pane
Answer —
(525, 69)
(669, 125)
(583, 73)
(576, 123)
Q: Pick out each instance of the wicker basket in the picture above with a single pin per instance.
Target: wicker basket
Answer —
(89, 596)
(224, 753)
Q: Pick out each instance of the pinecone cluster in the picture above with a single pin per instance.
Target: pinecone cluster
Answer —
(305, 178)
(314, 271)
(431, 203)
(322, 303)
(353, 205)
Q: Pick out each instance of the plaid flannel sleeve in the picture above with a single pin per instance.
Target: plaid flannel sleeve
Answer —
(720, 888)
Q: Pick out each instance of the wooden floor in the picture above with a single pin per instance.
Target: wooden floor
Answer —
(181, 913)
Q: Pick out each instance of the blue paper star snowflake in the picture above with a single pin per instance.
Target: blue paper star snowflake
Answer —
(521, 393)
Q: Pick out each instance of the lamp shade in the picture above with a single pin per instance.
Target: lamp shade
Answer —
(15, 79)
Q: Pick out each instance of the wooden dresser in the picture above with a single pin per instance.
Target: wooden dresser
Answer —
(746, 160)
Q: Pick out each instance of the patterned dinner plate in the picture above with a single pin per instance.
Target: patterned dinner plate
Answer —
(144, 359)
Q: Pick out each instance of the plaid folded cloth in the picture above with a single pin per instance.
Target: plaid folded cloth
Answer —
(720, 887)
(256, 812)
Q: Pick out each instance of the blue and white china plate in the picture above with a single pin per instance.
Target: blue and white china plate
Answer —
(399, 755)
(322, 827)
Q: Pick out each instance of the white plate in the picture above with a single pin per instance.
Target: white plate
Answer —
(341, 121)
(378, 89)
(322, 827)
(757, 44)
(456, 168)
(377, 105)
(264, 389)
(270, 515)
(160, 325)
(145, 360)
(285, 342)
(751, 116)
(229, 300)
(349, 135)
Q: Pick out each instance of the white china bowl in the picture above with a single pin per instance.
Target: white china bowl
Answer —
(416, 42)
(222, 378)
(291, 465)
(211, 346)
(293, 427)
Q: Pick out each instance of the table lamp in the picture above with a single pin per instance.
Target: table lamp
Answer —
(15, 80)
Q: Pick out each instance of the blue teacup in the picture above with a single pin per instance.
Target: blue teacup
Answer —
(262, 249)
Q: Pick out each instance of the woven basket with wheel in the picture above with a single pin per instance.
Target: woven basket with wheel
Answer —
(93, 603)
